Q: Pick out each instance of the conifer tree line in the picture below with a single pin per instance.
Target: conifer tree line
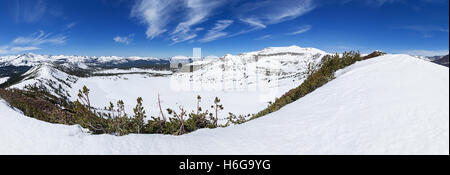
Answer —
(116, 121)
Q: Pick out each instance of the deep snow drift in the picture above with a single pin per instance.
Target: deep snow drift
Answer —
(393, 104)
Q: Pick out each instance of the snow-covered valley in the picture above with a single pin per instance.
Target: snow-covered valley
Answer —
(393, 104)
(245, 83)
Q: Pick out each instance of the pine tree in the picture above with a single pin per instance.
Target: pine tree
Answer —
(83, 95)
(199, 109)
(120, 118)
(217, 106)
(139, 115)
(178, 118)
(160, 110)
(181, 131)
(111, 109)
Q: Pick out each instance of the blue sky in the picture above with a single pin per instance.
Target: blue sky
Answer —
(164, 28)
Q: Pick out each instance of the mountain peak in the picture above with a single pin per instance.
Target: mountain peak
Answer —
(291, 49)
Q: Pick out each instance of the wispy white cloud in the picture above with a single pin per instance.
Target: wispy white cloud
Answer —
(124, 39)
(264, 37)
(253, 22)
(427, 31)
(371, 3)
(301, 30)
(70, 25)
(425, 28)
(115, 3)
(425, 52)
(37, 10)
(156, 14)
(185, 14)
(197, 12)
(380, 3)
(217, 31)
(263, 13)
(178, 20)
(23, 49)
(32, 42)
(30, 11)
(13, 50)
(40, 38)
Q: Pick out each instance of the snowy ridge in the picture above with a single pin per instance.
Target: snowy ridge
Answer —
(31, 59)
(393, 104)
(270, 67)
(45, 75)
(285, 50)
(132, 70)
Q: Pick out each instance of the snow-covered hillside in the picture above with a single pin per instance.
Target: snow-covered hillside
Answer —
(45, 75)
(393, 104)
(265, 68)
(254, 77)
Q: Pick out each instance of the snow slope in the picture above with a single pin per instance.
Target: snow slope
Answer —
(393, 104)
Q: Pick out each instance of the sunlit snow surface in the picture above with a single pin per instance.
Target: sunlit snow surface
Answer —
(4, 79)
(394, 104)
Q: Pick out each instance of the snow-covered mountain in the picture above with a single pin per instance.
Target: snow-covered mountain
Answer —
(441, 59)
(267, 67)
(258, 76)
(46, 76)
(57, 73)
(393, 104)
(31, 59)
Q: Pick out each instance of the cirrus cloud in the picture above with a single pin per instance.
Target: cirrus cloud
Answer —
(154, 13)
(32, 42)
(18, 49)
(124, 39)
(178, 20)
(263, 13)
(217, 31)
(40, 38)
(197, 11)
(301, 30)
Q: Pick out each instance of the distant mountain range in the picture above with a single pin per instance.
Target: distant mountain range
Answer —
(291, 63)
(273, 70)
(442, 59)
